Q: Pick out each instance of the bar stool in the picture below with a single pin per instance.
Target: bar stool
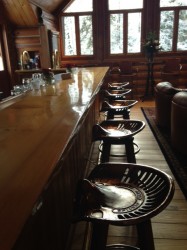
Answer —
(117, 132)
(117, 108)
(123, 194)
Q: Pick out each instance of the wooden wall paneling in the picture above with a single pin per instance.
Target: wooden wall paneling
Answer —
(20, 12)
(45, 52)
(34, 39)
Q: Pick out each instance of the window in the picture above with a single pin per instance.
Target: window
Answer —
(173, 29)
(122, 5)
(125, 37)
(77, 28)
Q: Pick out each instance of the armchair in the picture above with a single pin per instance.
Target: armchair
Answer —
(164, 92)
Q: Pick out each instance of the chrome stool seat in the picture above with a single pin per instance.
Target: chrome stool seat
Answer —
(117, 85)
(116, 94)
(117, 132)
(121, 247)
(117, 107)
(123, 194)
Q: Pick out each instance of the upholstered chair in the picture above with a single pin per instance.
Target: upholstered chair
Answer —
(164, 92)
(179, 122)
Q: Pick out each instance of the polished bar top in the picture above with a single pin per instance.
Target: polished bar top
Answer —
(35, 129)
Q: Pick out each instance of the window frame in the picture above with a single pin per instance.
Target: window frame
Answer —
(125, 31)
(150, 22)
(78, 45)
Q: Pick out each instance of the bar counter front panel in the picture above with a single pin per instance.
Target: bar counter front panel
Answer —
(45, 139)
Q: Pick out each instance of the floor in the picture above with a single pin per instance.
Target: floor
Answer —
(170, 226)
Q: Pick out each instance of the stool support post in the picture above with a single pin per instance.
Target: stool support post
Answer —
(105, 152)
(99, 236)
(130, 150)
(145, 235)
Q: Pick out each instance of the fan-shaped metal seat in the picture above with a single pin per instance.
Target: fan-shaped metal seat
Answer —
(124, 194)
(117, 107)
(117, 132)
(116, 94)
(121, 247)
(117, 85)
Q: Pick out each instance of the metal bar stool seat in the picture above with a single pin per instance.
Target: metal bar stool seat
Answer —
(117, 132)
(121, 247)
(117, 107)
(116, 94)
(117, 85)
(123, 194)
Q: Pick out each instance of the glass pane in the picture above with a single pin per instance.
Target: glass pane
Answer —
(1, 63)
(182, 31)
(134, 32)
(124, 5)
(169, 3)
(69, 36)
(1, 60)
(116, 33)
(86, 35)
(80, 6)
(166, 30)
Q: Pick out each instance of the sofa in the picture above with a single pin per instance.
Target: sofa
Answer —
(164, 93)
(179, 122)
(171, 114)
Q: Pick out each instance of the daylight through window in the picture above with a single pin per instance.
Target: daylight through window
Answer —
(1, 60)
(123, 23)
(170, 12)
(77, 29)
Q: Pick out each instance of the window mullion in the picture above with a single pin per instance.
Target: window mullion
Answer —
(175, 33)
(125, 31)
(77, 30)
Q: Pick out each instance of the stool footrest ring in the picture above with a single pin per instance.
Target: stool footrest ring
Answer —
(121, 247)
(137, 150)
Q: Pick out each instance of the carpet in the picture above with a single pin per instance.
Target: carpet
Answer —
(176, 161)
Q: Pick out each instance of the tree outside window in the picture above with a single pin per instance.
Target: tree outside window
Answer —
(77, 29)
(173, 12)
(125, 36)
(122, 26)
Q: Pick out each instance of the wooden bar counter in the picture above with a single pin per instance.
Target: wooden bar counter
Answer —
(45, 137)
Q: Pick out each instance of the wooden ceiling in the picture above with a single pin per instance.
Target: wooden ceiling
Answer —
(50, 6)
(22, 12)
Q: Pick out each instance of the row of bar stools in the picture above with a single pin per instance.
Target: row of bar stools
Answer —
(116, 103)
(117, 132)
(123, 194)
(112, 132)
